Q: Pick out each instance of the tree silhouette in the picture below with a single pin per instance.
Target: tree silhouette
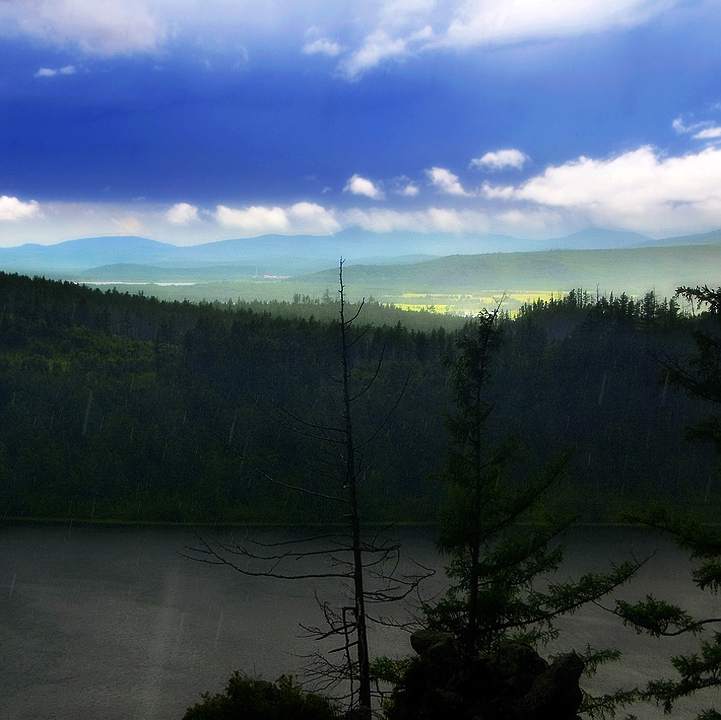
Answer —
(700, 376)
(368, 563)
(499, 540)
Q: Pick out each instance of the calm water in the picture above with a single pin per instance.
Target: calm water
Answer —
(116, 624)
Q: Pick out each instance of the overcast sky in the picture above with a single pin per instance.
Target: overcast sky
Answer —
(196, 120)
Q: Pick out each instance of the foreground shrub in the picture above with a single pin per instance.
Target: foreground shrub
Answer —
(246, 698)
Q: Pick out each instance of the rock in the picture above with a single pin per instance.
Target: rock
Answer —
(512, 683)
(516, 666)
(555, 694)
(422, 640)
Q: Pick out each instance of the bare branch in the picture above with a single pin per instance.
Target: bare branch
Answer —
(209, 555)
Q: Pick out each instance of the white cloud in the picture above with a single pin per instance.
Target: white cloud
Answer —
(481, 22)
(680, 127)
(382, 220)
(404, 27)
(704, 130)
(501, 159)
(378, 46)
(498, 193)
(50, 72)
(709, 133)
(101, 27)
(522, 221)
(301, 218)
(360, 186)
(404, 186)
(322, 46)
(254, 219)
(446, 220)
(182, 214)
(13, 209)
(313, 219)
(52, 222)
(639, 189)
(432, 219)
(387, 29)
(446, 181)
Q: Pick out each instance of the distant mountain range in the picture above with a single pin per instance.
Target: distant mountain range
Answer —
(389, 267)
(136, 258)
(269, 254)
(631, 270)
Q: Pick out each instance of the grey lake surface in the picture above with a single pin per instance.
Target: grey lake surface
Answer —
(115, 623)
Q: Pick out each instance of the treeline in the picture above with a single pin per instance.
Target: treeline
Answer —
(124, 407)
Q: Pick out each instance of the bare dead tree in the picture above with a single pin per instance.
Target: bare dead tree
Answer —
(369, 565)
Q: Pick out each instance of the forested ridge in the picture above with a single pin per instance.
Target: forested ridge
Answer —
(123, 407)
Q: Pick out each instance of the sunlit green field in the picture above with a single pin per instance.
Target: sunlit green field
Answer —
(465, 303)
(285, 291)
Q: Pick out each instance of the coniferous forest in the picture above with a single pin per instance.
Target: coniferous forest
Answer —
(118, 407)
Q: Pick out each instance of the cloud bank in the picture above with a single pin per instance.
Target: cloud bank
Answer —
(404, 28)
(299, 219)
(640, 189)
(481, 22)
(97, 27)
(378, 32)
(643, 189)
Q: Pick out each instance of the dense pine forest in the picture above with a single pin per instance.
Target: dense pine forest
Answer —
(119, 407)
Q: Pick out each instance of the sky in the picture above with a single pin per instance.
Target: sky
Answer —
(190, 121)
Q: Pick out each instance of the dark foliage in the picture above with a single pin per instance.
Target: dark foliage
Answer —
(700, 376)
(504, 552)
(118, 406)
(247, 698)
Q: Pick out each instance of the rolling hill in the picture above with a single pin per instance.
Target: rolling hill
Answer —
(278, 267)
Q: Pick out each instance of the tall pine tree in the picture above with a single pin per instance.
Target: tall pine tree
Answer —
(501, 544)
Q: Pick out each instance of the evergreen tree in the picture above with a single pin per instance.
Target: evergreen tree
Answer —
(701, 378)
(659, 618)
(499, 540)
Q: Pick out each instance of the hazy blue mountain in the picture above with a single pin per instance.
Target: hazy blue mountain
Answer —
(87, 252)
(127, 258)
(701, 239)
(262, 248)
(631, 270)
(275, 254)
(598, 239)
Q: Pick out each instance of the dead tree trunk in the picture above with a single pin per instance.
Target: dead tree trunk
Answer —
(351, 556)
(351, 485)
